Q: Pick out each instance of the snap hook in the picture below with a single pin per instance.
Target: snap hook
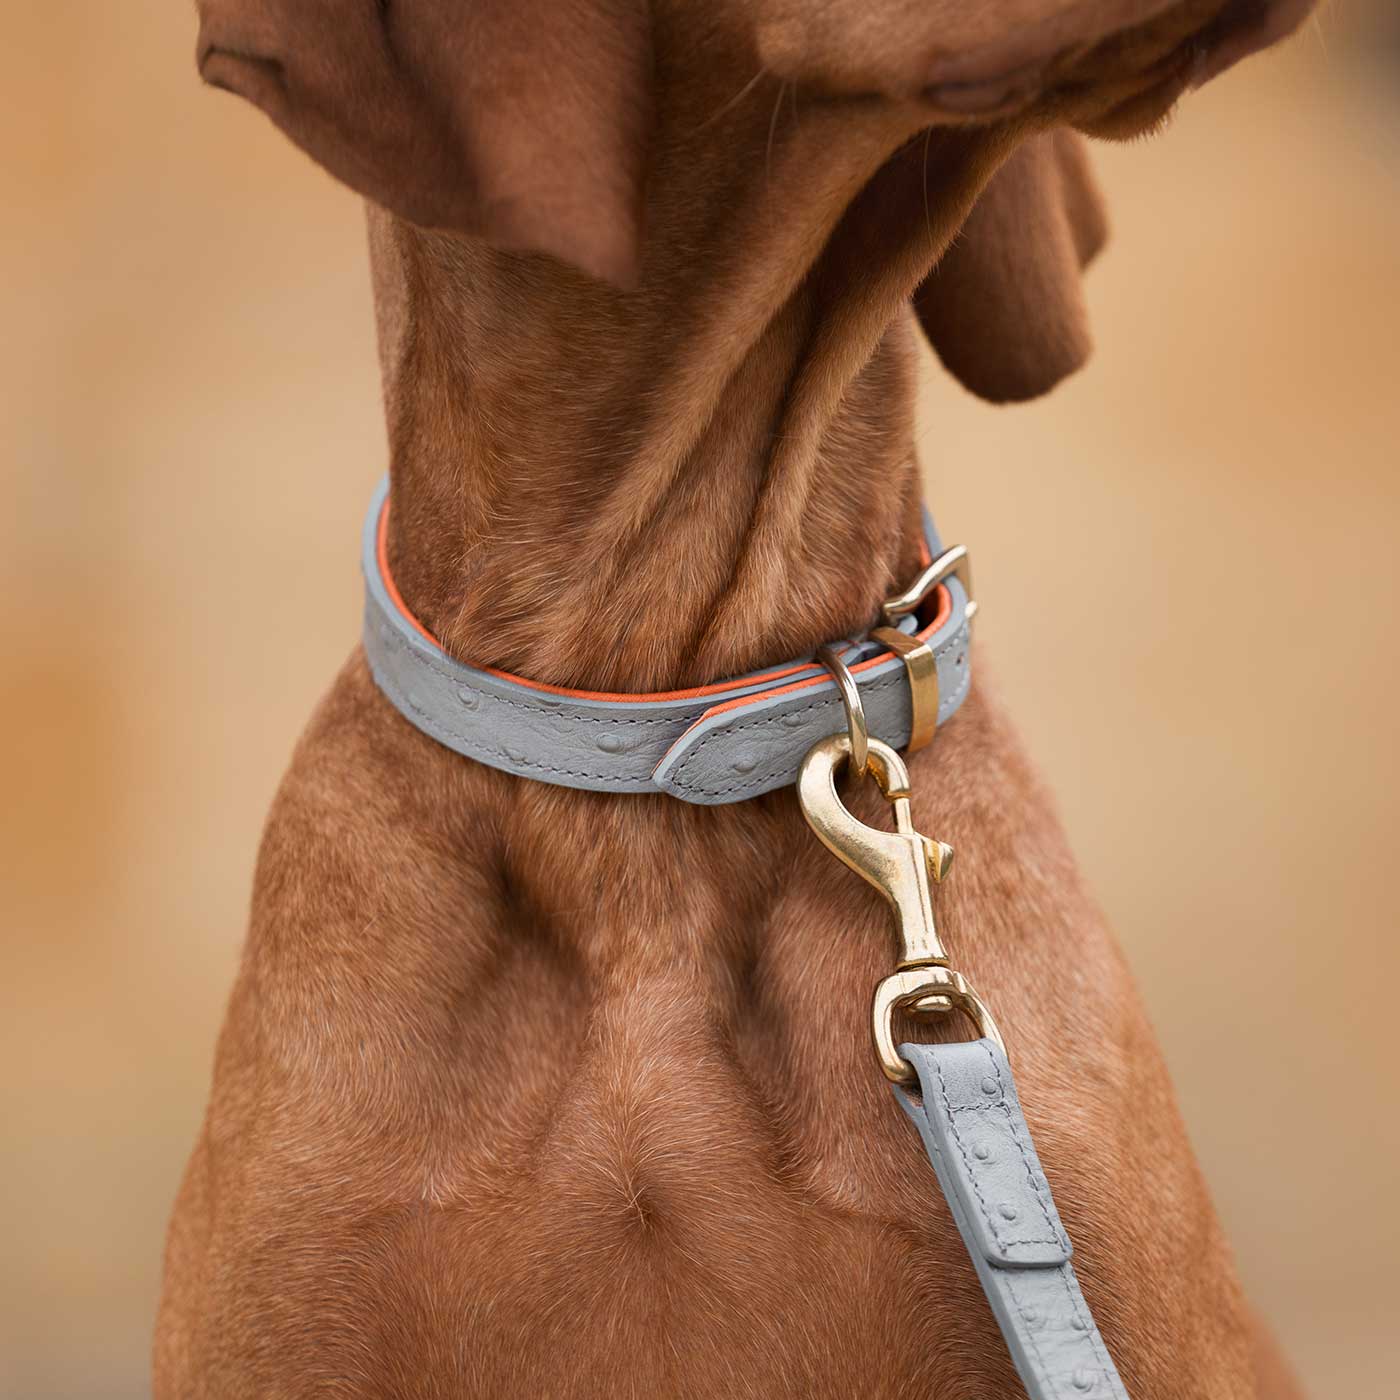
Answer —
(899, 864)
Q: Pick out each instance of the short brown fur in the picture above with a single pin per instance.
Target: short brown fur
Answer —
(532, 1091)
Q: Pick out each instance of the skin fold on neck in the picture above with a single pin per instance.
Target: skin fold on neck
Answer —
(704, 474)
(713, 469)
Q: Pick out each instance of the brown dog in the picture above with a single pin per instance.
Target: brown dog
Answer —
(525, 1090)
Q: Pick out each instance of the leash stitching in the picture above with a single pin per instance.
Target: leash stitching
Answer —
(1045, 1206)
(1031, 1332)
(951, 1116)
(1080, 1310)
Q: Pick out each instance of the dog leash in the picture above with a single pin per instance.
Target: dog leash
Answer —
(961, 1096)
(738, 738)
(970, 1120)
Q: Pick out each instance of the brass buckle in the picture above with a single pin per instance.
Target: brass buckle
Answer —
(919, 661)
(898, 863)
(952, 563)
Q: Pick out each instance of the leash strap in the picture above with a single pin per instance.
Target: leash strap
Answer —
(711, 744)
(961, 1097)
(970, 1120)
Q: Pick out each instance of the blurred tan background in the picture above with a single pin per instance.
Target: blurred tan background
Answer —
(190, 426)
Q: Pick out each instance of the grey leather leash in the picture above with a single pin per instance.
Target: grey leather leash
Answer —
(738, 738)
(961, 1097)
(970, 1120)
(716, 744)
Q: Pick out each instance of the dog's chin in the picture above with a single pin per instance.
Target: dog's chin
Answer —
(1139, 115)
(1246, 27)
(1242, 28)
(1114, 86)
(250, 76)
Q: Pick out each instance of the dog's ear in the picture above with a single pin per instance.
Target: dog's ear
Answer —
(1004, 308)
(522, 122)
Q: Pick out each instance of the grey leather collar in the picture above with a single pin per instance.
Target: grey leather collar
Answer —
(721, 743)
(970, 1119)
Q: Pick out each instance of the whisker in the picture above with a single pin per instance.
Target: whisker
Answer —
(733, 102)
(1319, 29)
(772, 132)
(928, 214)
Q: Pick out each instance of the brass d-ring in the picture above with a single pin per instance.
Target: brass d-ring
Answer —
(920, 990)
(855, 711)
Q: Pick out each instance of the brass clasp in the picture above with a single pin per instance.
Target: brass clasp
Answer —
(899, 864)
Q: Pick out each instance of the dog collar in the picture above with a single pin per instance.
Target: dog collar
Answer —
(710, 744)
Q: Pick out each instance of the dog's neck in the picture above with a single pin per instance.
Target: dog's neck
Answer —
(709, 473)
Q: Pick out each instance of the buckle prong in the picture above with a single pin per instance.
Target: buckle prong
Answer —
(919, 661)
(952, 563)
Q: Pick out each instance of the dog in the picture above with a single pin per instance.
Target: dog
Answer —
(532, 1091)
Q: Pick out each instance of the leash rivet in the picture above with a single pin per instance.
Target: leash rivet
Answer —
(982, 1152)
(610, 743)
(1082, 1380)
(745, 763)
(1008, 1211)
(470, 700)
(989, 1087)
